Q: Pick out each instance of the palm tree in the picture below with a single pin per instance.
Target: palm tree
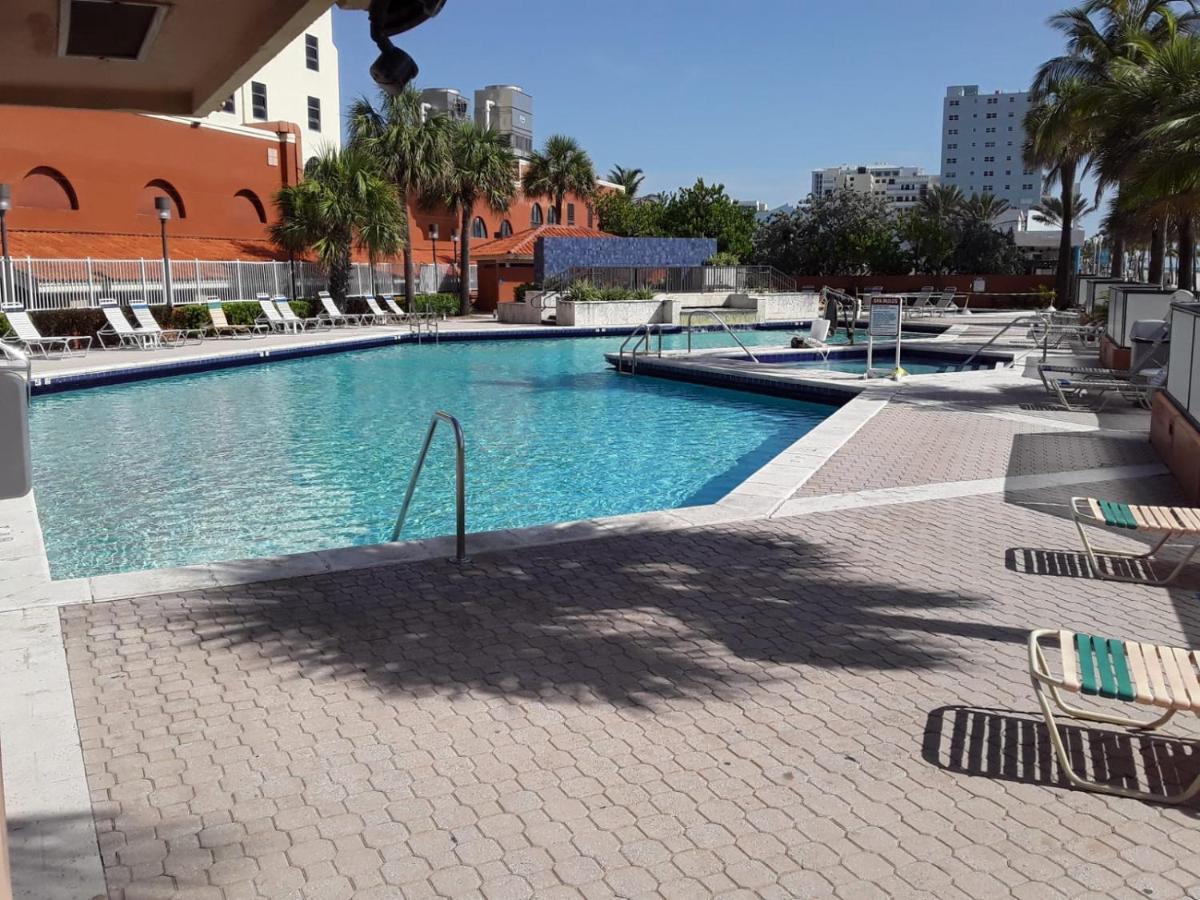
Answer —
(411, 148)
(1049, 210)
(984, 208)
(1058, 137)
(943, 202)
(342, 202)
(560, 168)
(482, 169)
(1100, 32)
(630, 179)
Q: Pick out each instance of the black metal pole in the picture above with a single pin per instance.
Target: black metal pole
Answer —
(168, 292)
(7, 260)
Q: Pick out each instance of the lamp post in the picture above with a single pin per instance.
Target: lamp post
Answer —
(6, 274)
(163, 205)
(433, 236)
(454, 238)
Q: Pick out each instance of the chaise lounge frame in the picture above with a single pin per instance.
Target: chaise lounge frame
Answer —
(1167, 523)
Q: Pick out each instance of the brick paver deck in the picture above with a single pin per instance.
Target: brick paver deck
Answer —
(832, 704)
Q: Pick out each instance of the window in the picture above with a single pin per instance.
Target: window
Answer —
(505, 228)
(535, 215)
(258, 100)
(952, 146)
(992, 101)
(1027, 187)
(990, 144)
(478, 228)
(989, 159)
(987, 188)
(551, 216)
(988, 174)
(314, 113)
(991, 115)
(990, 130)
(954, 118)
(953, 131)
(229, 105)
(954, 103)
(951, 160)
(570, 213)
(312, 52)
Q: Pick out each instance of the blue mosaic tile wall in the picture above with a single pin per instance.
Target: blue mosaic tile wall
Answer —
(555, 255)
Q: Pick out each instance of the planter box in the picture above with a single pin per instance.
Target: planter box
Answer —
(1132, 303)
(603, 314)
(519, 313)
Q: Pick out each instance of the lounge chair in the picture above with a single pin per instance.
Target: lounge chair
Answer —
(1169, 524)
(1053, 334)
(171, 337)
(271, 318)
(119, 329)
(284, 306)
(24, 334)
(220, 324)
(1092, 385)
(380, 316)
(389, 301)
(1153, 675)
(921, 303)
(334, 316)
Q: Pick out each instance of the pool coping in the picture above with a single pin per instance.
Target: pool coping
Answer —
(758, 496)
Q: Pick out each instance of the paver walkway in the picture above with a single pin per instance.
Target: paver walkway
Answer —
(828, 704)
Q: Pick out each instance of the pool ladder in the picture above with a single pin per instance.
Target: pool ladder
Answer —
(460, 480)
(692, 313)
(642, 333)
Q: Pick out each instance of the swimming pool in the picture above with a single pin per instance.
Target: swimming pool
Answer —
(315, 453)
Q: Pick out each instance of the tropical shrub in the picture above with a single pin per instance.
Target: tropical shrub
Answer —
(586, 292)
(441, 304)
(723, 259)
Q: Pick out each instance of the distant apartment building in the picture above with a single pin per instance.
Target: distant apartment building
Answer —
(446, 102)
(299, 85)
(901, 187)
(507, 109)
(982, 137)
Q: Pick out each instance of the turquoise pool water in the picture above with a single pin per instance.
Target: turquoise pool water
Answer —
(316, 453)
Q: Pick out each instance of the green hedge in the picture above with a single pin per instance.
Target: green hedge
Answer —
(442, 304)
(586, 292)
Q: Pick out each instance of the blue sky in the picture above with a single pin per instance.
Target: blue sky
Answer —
(753, 94)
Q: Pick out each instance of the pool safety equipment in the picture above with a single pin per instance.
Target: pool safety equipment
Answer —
(884, 322)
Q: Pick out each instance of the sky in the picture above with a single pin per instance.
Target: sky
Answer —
(752, 94)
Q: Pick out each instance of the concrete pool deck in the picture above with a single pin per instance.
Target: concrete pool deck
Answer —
(827, 697)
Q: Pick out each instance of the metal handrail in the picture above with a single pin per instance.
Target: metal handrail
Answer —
(643, 332)
(425, 322)
(691, 313)
(1023, 320)
(460, 477)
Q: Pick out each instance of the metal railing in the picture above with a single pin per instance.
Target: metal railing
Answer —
(643, 334)
(692, 313)
(44, 284)
(685, 279)
(460, 477)
(1041, 322)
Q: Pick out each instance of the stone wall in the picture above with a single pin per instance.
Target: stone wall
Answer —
(553, 256)
(605, 314)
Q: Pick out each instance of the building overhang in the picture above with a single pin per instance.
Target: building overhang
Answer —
(184, 58)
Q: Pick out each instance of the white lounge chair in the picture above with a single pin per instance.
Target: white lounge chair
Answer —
(921, 303)
(815, 339)
(389, 301)
(289, 316)
(380, 316)
(171, 337)
(119, 329)
(1161, 677)
(24, 334)
(333, 315)
(220, 324)
(271, 318)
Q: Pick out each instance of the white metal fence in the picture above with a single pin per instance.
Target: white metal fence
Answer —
(40, 284)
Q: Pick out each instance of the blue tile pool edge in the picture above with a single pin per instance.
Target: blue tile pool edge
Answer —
(67, 381)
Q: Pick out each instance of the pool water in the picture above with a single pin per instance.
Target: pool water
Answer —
(316, 453)
(858, 365)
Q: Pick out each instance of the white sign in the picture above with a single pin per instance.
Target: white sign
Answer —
(885, 317)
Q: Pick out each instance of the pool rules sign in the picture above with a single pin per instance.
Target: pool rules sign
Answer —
(884, 323)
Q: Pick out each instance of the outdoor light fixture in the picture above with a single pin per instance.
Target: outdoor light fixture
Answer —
(395, 69)
(163, 206)
(5, 261)
(433, 236)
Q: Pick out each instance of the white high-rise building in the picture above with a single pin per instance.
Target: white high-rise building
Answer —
(982, 138)
(300, 85)
(901, 187)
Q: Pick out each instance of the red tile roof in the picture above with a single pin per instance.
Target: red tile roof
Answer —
(521, 244)
(82, 244)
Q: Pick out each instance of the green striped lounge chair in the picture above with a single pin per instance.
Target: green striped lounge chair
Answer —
(1167, 679)
(1166, 524)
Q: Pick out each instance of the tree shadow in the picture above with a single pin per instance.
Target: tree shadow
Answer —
(1004, 746)
(47, 855)
(627, 620)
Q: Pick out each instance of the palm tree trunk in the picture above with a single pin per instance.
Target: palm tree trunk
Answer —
(558, 211)
(464, 263)
(1187, 252)
(1158, 251)
(1117, 265)
(410, 287)
(1066, 256)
